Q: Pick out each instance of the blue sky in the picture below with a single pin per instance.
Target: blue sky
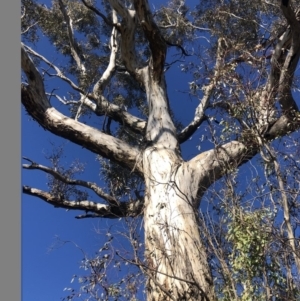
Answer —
(46, 273)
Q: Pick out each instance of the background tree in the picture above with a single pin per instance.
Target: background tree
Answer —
(114, 57)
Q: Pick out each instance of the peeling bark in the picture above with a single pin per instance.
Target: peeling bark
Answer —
(176, 260)
(37, 105)
(174, 251)
(124, 209)
(157, 43)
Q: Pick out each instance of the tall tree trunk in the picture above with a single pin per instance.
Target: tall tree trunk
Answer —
(175, 256)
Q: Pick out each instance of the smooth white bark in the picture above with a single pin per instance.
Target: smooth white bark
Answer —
(174, 252)
(176, 260)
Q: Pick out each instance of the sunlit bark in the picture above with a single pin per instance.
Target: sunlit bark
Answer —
(176, 260)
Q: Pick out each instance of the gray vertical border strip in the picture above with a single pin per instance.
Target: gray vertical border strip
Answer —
(10, 114)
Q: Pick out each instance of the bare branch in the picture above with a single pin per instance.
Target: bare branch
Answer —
(285, 124)
(174, 25)
(73, 44)
(119, 7)
(125, 209)
(102, 106)
(93, 186)
(28, 28)
(271, 158)
(199, 117)
(286, 212)
(178, 46)
(58, 71)
(63, 101)
(102, 82)
(24, 12)
(240, 18)
(37, 105)
(97, 12)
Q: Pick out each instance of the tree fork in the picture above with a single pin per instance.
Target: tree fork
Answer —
(175, 255)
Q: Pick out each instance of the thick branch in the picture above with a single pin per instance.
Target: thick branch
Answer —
(37, 105)
(284, 62)
(199, 117)
(127, 30)
(211, 165)
(289, 14)
(114, 111)
(79, 133)
(277, 62)
(286, 98)
(34, 79)
(102, 106)
(93, 186)
(125, 209)
(284, 125)
(137, 125)
(156, 41)
(103, 81)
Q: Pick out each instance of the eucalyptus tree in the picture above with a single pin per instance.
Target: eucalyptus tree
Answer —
(242, 57)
